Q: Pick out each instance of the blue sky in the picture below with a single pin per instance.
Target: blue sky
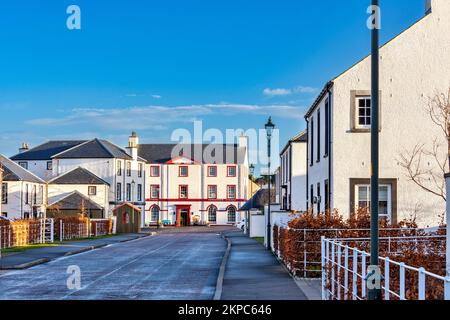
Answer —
(156, 66)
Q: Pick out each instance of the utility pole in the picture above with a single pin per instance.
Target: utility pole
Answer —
(374, 292)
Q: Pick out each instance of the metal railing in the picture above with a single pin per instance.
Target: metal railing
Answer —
(344, 275)
(13, 235)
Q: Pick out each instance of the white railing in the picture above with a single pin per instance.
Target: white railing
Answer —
(344, 275)
(22, 234)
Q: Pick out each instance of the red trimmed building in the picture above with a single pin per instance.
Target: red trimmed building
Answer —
(195, 184)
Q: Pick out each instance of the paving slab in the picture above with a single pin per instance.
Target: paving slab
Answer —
(253, 273)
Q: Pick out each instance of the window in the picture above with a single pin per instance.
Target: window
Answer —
(311, 197)
(319, 199)
(128, 169)
(231, 192)
(362, 200)
(212, 192)
(92, 190)
(27, 194)
(41, 194)
(154, 191)
(4, 193)
(23, 164)
(119, 191)
(212, 171)
(139, 192)
(183, 192)
(140, 169)
(4, 214)
(183, 171)
(212, 214)
(154, 171)
(34, 194)
(154, 214)
(327, 127)
(231, 213)
(49, 165)
(327, 195)
(318, 137)
(311, 132)
(119, 168)
(231, 171)
(363, 112)
(128, 191)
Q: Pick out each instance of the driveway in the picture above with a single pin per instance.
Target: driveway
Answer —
(169, 266)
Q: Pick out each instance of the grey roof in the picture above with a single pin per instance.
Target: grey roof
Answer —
(78, 176)
(74, 201)
(219, 153)
(93, 149)
(259, 200)
(13, 172)
(46, 150)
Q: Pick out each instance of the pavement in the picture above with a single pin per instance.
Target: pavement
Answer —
(180, 266)
(253, 273)
(29, 258)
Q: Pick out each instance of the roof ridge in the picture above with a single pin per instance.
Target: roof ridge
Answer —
(72, 148)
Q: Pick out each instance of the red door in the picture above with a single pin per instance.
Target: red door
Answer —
(183, 213)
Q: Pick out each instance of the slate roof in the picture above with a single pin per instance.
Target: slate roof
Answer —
(161, 153)
(13, 172)
(78, 176)
(75, 201)
(259, 200)
(70, 149)
(46, 150)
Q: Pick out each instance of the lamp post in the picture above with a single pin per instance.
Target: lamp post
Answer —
(374, 292)
(269, 126)
(247, 222)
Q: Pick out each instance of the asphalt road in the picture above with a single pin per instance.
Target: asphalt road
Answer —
(169, 266)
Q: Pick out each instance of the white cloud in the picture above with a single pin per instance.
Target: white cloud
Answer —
(276, 92)
(156, 96)
(160, 117)
(301, 89)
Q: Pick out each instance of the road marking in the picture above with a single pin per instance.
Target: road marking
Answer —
(219, 285)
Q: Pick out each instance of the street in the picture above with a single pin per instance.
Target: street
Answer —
(165, 267)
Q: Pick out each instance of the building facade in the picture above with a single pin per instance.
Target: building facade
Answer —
(339, 125)
(195, 184)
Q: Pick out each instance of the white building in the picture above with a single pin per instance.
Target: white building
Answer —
(188, 184)
(291, 175)
(122, 170)
(23, 193)
(414, 66)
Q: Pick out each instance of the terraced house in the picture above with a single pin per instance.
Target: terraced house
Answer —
(195, 184)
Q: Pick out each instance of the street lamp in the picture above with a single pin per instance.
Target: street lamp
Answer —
(247, 223)
(374, 292)
(269, 129)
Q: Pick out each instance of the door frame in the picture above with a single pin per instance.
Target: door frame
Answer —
(178, 214)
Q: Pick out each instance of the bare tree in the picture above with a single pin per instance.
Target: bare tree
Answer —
(427, 167)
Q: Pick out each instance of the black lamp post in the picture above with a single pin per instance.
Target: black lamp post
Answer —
(247, 222)
(374, 293)
(269, 129)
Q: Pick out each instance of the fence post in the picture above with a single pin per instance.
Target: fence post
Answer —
(9, 236)
(355, 274)
(386, 279)
(322, 249)
(52, 229)
(61, 228)
(402, 281)
(339, 258)
(327, 255)
(346, 273)
(332, 267)
(363, 274)
(421, 284)
(304, 253)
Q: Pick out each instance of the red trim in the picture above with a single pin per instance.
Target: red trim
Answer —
(228, 175)
(196, 200)
(187, 171)
(208, 171)
(172, 161)
(179, 191)
(178, 209)
(207, 191)
(151, 196)
(228, 194)
(151, 171)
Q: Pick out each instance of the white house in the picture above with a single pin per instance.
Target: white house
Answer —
(291, 177)
(198, 183)
(414, 67)
(121, 169)
(23, 193)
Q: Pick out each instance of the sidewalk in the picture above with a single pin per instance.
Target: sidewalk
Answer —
(254, 273)
(29, 258)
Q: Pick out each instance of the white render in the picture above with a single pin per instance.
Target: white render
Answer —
(414, 66)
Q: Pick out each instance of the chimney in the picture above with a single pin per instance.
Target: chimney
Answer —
(24, 147)
(243, 141)
(427, 7)
(133, 143)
